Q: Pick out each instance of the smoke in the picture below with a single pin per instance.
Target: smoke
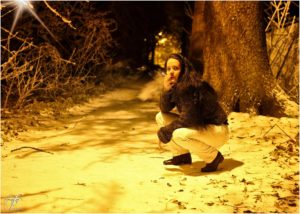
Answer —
(152, 90)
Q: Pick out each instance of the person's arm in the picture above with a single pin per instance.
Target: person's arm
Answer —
(186, 119)
(165, 133)
(166, 104)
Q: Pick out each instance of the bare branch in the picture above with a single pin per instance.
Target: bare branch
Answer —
(65, 20)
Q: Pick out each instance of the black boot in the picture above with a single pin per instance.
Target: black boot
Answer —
(211, 167)
(179, 160)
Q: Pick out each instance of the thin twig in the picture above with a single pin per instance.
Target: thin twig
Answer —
(19, 38)
(8, 12)
(188, 10)
(268, 130)
(281, 130)
(285, 13)
(65, 20)
(271, 19)
(30, 147)
(285, 59)
(285, 133)
(292, 25)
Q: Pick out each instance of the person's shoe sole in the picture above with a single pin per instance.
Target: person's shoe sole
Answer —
(212, 167)
(179, 160)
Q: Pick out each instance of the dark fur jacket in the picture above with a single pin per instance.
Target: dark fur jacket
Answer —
(198, 107)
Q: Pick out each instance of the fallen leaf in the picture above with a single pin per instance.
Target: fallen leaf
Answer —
(80, 184)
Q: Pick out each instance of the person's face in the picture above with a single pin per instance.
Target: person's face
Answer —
(173, 69)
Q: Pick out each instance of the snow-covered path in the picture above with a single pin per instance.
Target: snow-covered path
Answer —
(104, 158)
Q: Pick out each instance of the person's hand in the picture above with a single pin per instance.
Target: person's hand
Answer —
(164, 135)
(169, 82)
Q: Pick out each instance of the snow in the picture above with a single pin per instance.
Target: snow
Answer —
(106, 159)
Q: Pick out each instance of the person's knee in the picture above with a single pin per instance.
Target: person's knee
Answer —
(179, 135)
(159, 119)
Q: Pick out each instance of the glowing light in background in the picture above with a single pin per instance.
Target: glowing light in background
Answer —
(166, 44)
(162, 41)
(23, 3)
(21, 6)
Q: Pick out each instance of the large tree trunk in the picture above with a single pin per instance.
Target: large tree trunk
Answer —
(229, 40)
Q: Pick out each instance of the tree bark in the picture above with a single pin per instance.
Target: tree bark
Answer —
(228, 38)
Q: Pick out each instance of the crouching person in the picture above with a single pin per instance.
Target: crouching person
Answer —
(200, 126)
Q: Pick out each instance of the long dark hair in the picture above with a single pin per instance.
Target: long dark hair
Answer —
(188, 76)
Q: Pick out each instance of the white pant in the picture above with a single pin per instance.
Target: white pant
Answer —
(203, 142)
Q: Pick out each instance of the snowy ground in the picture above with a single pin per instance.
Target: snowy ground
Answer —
(104, 158)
